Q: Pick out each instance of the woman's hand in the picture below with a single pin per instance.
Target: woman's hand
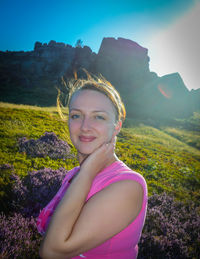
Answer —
(99, 159)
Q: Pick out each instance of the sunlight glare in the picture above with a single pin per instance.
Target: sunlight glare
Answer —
(177, 49)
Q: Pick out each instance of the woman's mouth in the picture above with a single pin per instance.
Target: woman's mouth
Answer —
(86, 138)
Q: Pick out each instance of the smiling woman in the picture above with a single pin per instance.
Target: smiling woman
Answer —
(91, 121)
(100, 209)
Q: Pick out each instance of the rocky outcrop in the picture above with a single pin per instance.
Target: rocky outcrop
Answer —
(31, 77)
(195, 99)
(123, 62)
(126, 65)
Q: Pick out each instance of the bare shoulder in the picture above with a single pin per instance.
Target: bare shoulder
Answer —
(128, 190)
(132, 185)
(123, 197)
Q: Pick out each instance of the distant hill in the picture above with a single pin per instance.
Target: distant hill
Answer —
(32, 77)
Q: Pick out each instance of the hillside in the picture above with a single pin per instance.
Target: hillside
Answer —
(163, 155)
(31, 172)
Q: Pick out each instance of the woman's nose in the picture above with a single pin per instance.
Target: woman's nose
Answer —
(86, 124)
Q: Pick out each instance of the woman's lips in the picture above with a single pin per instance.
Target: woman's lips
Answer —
(86, 139)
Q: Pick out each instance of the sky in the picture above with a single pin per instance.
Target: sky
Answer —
(168, 28)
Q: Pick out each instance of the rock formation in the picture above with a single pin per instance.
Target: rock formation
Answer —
(31, 77)
(126, 64)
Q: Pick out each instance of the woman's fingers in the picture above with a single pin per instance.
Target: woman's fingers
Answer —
(100, 157)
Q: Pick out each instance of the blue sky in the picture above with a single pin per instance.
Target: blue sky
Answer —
(23, 22)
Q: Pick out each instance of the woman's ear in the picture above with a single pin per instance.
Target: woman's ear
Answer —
(117, 127)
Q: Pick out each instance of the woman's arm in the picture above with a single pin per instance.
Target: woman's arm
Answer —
(77, 226)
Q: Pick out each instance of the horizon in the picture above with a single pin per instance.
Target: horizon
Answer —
(168, 29)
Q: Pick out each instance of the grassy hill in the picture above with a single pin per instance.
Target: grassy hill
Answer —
(168, 157)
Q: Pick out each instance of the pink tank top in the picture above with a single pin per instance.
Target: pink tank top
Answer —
(124, 245)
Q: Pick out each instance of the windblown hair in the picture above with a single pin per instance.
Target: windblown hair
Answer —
(95, 83)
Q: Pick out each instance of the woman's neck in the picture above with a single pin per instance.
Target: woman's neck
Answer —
(83, 157)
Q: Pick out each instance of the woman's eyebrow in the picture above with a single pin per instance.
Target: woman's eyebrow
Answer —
(95, 111)
(74, 109)
(102, 111)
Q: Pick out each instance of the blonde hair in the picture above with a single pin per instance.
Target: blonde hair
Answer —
(95, 83)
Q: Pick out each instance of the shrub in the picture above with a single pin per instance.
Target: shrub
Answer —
(34, 191)
(18, 237)
(47, 145)
(171, 230)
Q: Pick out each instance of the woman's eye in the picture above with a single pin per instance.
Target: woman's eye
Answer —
(74, 116)
(99, 117)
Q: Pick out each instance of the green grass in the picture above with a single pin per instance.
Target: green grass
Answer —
(17, 121)
(189, 137)
(166, 163)
(164, 155)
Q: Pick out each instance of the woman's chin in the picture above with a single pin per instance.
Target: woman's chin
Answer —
(86, 150)
(84, 153)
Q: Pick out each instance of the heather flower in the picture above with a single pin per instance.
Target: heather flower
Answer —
(47, 145)
(18, 237)
(6, 167)
(35, 190)
(171, 230)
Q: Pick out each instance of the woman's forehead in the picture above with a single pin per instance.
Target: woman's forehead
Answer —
(91, 98)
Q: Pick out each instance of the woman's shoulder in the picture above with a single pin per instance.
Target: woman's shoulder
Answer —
(120, 171)
(117, 172)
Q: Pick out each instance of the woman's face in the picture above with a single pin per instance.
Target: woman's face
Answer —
(92, 120)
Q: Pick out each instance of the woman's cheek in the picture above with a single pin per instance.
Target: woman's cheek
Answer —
(109, 132)
(73, 126)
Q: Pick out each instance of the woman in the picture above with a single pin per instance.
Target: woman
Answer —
(100, 209)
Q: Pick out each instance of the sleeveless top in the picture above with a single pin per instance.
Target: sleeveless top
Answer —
(123, 245)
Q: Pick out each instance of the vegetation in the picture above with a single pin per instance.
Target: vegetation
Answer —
(168, 156)
(191, 136)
